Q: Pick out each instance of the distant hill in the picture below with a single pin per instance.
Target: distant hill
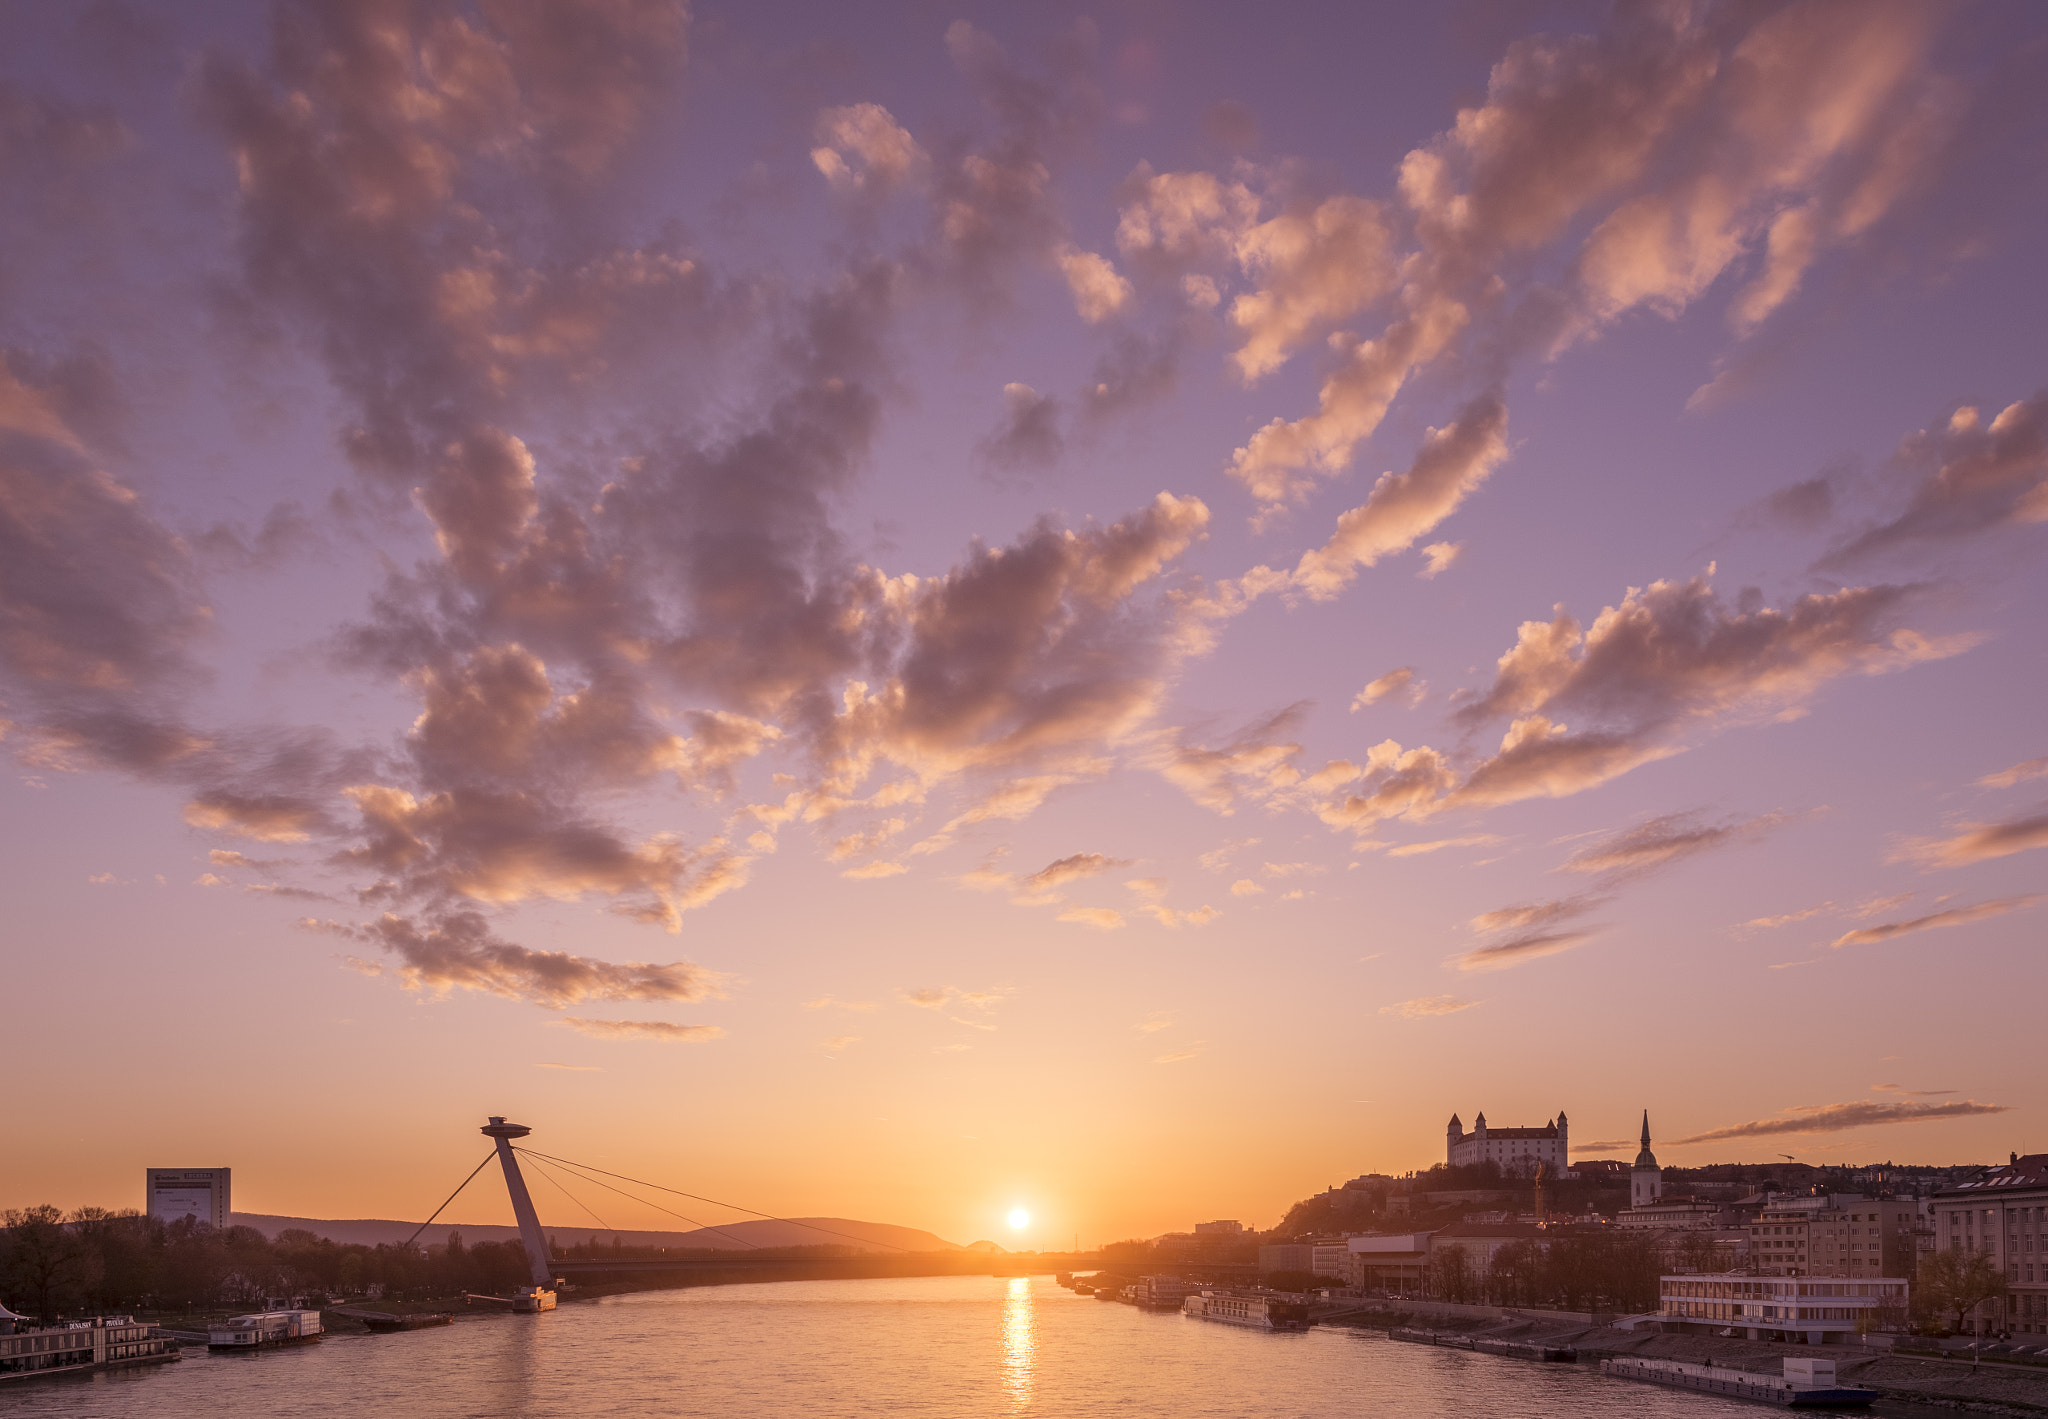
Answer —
(795, 1232)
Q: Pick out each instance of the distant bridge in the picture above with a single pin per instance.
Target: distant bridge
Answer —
(746, 1260)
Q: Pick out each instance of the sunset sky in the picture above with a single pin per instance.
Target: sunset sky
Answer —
(904, 610)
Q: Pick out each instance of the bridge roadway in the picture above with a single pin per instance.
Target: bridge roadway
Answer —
(872, 1263)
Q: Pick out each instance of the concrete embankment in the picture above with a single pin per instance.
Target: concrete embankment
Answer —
(1988, 1388)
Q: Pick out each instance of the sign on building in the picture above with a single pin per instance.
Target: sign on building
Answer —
(172, 1193)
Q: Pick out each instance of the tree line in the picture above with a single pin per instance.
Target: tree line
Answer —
(94, 1261)
(1583, 1272)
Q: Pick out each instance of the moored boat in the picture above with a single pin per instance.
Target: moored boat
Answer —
(264, 1330)
(1248, 1308)
(1805, 1384)
(384, 1324)
(109, 1342)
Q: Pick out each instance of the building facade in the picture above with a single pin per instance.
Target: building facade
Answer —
(2003, 1215)
(1516, 1151)
(1819, 1312)
(171, 1193)
(1836, 1234)
(1389, 1261)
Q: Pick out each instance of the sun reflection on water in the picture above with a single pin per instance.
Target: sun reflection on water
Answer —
(1020, 1341)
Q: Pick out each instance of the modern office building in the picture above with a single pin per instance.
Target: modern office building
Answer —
(1389, 1262)
(2004, 1215)
(1763, 1308)
(174, 1193)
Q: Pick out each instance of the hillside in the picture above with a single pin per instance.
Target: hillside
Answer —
(795, 1232)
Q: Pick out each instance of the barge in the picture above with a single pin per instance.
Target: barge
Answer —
(384, 1324)
(107, 1343)
(1806, 1384)
(1487, 1344)
(265, 1330)
(1248, 1308)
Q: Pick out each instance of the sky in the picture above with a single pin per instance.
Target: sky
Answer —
(900, 611)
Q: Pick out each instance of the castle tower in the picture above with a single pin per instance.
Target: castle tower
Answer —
(1454, 1134)
(1646, 1179)
(1564, 1149)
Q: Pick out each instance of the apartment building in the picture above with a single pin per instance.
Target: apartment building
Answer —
(1836, 1234)
(2004, 1215)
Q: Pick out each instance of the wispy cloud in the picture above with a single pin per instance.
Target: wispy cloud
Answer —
(2017, 774)
(829, 1002)
(1216, 859)
(1768, 923)
(1178, 1055)
(1427, 1005)
(872, 870)
(1954, 916)
(1980, 844)
(1534, 914)
(1392, 683)
(1530, 946)
(1911, 1093)
(1152, 1024)
(838, 1042)
(642, 1030)
(1418, 849)
(1834, 1118)
(572, 1068)
(1665, 840)
(1101, 918)
(1069, 869)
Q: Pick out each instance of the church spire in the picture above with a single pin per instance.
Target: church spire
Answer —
(1646, 1159)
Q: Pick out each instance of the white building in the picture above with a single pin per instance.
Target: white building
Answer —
(1767, 1308)
(1517, 1151)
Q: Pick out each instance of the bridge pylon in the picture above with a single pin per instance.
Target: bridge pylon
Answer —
(540, 1296)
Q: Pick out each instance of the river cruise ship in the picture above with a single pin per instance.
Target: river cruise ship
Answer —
(263, 1330)
(1261, 1312)
(106, 1343)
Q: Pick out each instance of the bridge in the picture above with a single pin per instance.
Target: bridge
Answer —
(745, 1260)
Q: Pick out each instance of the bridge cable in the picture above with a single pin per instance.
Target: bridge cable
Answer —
(575, 1199)
(452, 1196)
(864, 1241)
(701, 1226)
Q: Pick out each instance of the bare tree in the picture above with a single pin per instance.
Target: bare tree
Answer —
(1956, 1282)
(42, 1256)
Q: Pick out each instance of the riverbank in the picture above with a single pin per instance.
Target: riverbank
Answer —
(1986, 1388)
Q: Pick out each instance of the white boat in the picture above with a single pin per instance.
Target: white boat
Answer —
(263, 1329)
(28, 1350)
(1250, 1308)
(530, 1300)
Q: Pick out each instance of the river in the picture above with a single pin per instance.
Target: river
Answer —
(950, 1347)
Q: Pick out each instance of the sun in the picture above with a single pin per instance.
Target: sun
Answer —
(1019, 1218)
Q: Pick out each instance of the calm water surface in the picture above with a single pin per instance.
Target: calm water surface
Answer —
(939, 1346)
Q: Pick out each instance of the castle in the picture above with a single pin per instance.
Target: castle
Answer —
(1517, 1151)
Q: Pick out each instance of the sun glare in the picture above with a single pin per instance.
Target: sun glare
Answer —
(1019, 1218)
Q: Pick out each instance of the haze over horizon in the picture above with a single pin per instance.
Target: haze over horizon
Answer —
(898, 612)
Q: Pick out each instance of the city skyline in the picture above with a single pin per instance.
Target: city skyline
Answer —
(1111, 611)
